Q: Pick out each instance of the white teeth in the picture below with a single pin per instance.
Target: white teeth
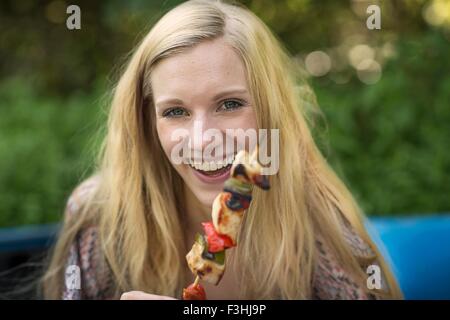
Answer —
(230, 159)
(196, 165)
(213, 165)
(205, 166)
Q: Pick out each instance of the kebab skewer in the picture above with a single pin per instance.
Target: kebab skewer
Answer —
(206, 259)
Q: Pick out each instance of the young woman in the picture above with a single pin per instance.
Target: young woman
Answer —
(127, 229)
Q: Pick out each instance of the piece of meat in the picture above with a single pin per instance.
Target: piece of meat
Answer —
(206, 269)
(225, 220)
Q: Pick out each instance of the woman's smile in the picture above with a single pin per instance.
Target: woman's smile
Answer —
(211, 171)
(216, 176)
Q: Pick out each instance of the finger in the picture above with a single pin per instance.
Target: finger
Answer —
(139, 295)
(130, 295)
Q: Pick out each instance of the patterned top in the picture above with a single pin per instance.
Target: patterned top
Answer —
(330, 280)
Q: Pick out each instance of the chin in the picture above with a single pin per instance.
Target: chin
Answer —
(204, 192)
(206, 197)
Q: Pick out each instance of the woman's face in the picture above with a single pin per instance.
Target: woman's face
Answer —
(200, 89)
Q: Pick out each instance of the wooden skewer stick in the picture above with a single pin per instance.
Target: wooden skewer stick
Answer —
(197, 280)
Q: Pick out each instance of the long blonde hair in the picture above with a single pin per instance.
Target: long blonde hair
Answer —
(139, 203)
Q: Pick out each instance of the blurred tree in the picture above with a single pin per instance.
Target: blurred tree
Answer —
(384, 93)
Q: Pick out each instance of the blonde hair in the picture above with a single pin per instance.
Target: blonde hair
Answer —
(138, 205)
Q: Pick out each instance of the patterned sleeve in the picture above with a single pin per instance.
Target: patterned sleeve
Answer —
(86, 275)
(331, 282)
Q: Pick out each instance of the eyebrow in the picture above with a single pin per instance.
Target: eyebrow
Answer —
(215, 98)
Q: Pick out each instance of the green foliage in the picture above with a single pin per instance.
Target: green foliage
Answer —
(389, 141)
(45, 149)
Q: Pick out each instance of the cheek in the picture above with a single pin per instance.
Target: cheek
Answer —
(245, 120)
(164, 136)
(250, 119)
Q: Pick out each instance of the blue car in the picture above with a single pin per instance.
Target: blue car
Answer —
(417, 249)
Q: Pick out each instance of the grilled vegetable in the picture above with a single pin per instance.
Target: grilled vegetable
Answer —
(194, 292)
(216, 241)
(218, 257)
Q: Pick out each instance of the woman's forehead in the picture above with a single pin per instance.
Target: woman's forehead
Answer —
(205, 68)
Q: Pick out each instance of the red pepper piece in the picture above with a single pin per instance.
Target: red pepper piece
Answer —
(194, 292)
(216, 242)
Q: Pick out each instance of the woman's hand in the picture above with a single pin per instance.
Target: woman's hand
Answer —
(139, 295)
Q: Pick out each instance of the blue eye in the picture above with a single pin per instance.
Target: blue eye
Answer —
(230, 105)
(174, 113)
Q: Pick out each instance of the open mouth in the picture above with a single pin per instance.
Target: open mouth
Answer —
(213, 169)
(215, 173)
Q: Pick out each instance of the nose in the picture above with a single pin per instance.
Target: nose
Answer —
(203, 132)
